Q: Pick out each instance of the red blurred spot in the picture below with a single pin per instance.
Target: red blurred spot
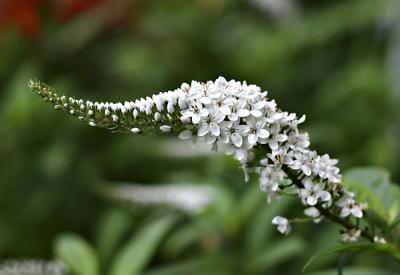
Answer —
(22, 14)
(67, 9)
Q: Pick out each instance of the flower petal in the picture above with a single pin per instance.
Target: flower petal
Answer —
(252, 138)
(214, 129)
(263, 133)
(203, 130)
(237, 139)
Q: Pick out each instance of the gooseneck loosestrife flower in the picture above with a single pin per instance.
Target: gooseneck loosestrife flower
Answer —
(264, 139)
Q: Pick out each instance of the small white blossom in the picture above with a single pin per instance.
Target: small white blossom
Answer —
(210, 124)
(283, 224)
(195, 112)
(240, 116)
(313, 213)
(256, 129)
(303, 162)
(350, 207)
(313, 192)
(326, 169)
(233, 132)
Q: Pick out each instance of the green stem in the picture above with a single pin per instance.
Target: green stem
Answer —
(325, 212)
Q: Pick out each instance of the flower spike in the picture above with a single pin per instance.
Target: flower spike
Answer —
(253, 129)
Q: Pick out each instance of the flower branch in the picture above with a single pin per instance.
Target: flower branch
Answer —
(239, 116)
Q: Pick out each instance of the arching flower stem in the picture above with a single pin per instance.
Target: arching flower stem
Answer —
(328, 214)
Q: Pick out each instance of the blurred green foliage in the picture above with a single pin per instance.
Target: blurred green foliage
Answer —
(328, 60)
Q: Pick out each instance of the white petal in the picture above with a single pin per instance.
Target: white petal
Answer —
(281, 137)
(243, 112)
(273, 144)
(325, 195)
(263, 133)
(311, 200)
(237, 139)
(239, 154)
(205, 100)
(357, 212)
(204, 112)
(203, 130)
(306, 170)
(311, 212)
(243, 129)
(256, 113)
(233, 117)
(259, 105)
(214, 129)
(225, 110)
(344, 212)
(219, 117)
(196, 118)
(252, 138)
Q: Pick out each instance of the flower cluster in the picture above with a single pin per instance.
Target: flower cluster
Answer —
(242, 119)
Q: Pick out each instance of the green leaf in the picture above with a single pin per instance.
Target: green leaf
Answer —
(374, 186)
(276, 253)
(79, 255)
(134, 256)
(187, 235)
(389, 249)
(113, 226)
(260, 229)
(355, 270)
(210, 265)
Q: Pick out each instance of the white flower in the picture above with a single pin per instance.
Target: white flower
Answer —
(241, 116)
(326, 169)
(240, 153)
(281, 156)
(282, 223)
(270, 177)
(313, 213)
(273, 141)
(350, 207)
(235, 108)
(209, 124)
(233, 132)
(312, 192)
(299, 142)
(256, 108)
(303, 162)
(256, 129)
(195, 112)
(351, 235)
